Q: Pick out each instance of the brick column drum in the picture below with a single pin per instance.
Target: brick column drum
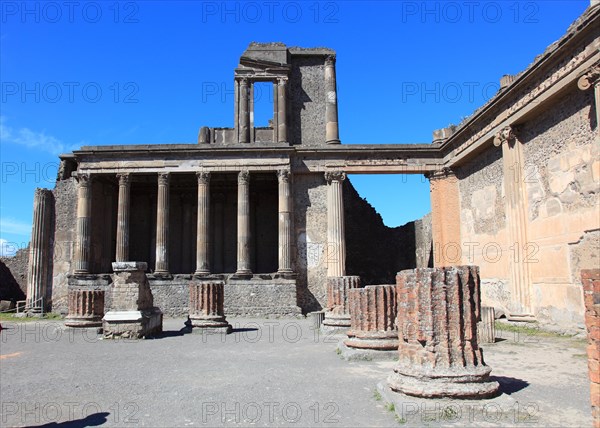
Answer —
(373, 333)
(590, 278)
(206, 306)
(86, 307)
(439, 356)
(337, 314)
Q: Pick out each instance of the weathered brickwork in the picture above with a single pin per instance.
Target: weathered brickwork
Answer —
(206, 305)
(439, 355)
(591, 290)
(338, 310)
(373, 312)
(86, 307)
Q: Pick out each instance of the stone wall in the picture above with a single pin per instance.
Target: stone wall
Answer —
(562, 178)
(591, 289)
(17, 267)
(307, 101)
(9, 287)
(310, 225)
(65, 205)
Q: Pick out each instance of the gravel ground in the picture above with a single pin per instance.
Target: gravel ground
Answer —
(266, 373)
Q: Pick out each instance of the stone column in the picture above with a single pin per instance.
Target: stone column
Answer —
(275, 113)
(332, 134)
(373, 312)
(206, 306)
(162, 225)
(592, 79)
(86, 306)
(336, 241)
(282, 112)
(445, 218)
(84, 226)
(439, 355)
(243, 225)
(236, 109)
(285, 222)
(203, 229)
(251, 110)
(337, 315)
(39, 251)
(122, 253)
(244, 116)
(590, 279)
(516, 219)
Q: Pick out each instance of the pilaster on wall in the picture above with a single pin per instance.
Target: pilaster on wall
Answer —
(516, 218)
(445, 218)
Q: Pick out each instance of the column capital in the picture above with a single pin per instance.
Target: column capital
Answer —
(330, 60)
(505, 135)
(243, 176)
(124, 178)
(243, 80)
(83, 179)
(283, 175)
(590, 78)
(203, 177)
(445, 172)
(282, 80)
(335, 176)
(163, 178)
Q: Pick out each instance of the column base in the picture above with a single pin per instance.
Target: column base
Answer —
(201, 273)
(464, 383)
(212, 324)
(349, 353)
(242, 274)
(374, 340)
(83, 322)
(333, 142)
(161, 275)
(285, 274)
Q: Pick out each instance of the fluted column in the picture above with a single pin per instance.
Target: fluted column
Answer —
(275, 113)
(206, 305)
(244, 115)
(86, 306)
(243, 225)
(84, 229)
(338, 312)
(336, 241)
(203, 230)
(439, 356)
(373, 311)
(332, 134)
(282, 110)
(39, 251)
(122, 252)
(162, 225)
(285, 222)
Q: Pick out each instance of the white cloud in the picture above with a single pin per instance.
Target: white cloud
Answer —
(30, 139)
(16, 227)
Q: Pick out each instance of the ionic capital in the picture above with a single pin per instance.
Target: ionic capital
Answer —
(283, 175)
(83, 179)
(123, 178)
(590, 78)
(203, 177)
(282, 81)
(163, 178)
(331, 176)
(506, 135)
(441, 174)
(244, 177)
(330, 61)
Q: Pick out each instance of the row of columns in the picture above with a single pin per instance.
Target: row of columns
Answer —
(82, 248)
(244, 109)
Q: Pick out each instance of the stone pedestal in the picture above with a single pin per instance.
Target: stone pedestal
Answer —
(206, 306)
(591, 293)
(337, 315)
(439, 356)
(86, 306)
(133, 314)
(373, 333)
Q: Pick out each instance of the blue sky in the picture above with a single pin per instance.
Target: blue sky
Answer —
(96, 73)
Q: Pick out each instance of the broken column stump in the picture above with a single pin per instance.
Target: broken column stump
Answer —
(133, 314)
(486, 328)
(86, 306)
(337, 315)
(590, 278)
(439, 356)
(373, 333)
(206, 306)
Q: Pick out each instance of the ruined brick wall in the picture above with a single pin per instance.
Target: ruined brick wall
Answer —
(17, 267)
(591, 289)
(65, 205)
(562, 178)
(307, 101)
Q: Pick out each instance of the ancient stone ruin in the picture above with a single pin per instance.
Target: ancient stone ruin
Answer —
(590, 279)
(337, 314)
(373, 333)
(439, 356)
(206, 306)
